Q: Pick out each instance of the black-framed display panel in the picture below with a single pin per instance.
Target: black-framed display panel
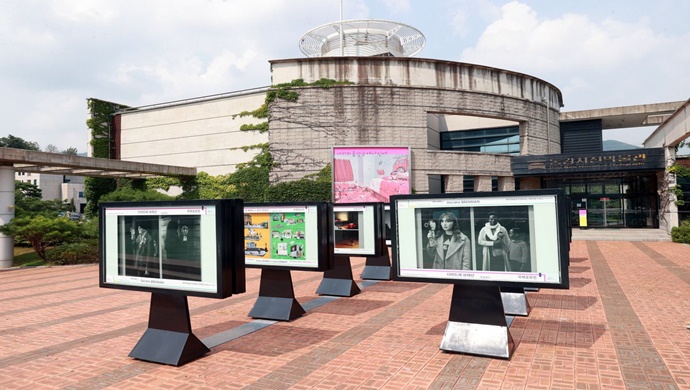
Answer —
(324, 235)
(386, 225)
(379, 244)
(229, 252)
(562, 236)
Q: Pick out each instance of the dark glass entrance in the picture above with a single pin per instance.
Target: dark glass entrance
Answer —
(611, 202)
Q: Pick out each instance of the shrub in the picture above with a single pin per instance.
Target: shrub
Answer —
(681, 233)
(83, 252)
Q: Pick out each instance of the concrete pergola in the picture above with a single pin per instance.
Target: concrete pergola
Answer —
(12, 160)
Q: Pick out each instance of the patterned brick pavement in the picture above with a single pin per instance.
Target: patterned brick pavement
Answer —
(620, 325)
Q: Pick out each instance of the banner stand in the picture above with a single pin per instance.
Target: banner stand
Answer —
(515, 301)
(477, 323)
(169, 338)
(377, 268)
(276, 299)
(338, 281)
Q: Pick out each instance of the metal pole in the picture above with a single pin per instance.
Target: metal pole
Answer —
(342, 40)
(548, 132)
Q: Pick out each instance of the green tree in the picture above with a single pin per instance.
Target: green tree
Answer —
(51, 149)
(18, 143)
(28, 202)
(99, 123)
(132, 195)
(71, 151)
(41, 231)
(213, 187)
(250, 181)
(315, 187)
(94, 189)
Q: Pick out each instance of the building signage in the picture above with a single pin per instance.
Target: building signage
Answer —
(622, 160)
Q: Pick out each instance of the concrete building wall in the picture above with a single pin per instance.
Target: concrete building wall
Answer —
(73, 193)
(381, 113)
(61, 187)
(673, 131)
(201, 133)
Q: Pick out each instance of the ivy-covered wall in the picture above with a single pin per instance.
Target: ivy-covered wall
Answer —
(99, 123)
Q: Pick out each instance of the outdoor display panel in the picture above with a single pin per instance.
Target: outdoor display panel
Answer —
(364, 174)
(179, 247)
(293, 236)
(510, 239)
(387, 231)
(357, 229)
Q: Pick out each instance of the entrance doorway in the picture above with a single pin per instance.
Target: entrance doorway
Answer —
(617, 202)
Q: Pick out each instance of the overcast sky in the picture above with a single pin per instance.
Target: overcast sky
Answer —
(54, 54)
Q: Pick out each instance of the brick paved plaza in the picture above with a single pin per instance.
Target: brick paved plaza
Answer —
(622, 324)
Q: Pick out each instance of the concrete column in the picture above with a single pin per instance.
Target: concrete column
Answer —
(506, 183)
(6, 214)
(530, 183)
(670, 214)
(482, 184)
(454, 183)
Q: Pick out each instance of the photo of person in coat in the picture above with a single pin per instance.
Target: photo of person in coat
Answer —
(449, 246)
(495, 240)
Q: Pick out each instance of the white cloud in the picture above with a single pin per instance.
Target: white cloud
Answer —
(468, 14)
(520, 39)
(57, 53)
(578, 54)
(398, 6)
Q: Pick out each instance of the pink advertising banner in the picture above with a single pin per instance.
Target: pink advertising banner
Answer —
(370, 173)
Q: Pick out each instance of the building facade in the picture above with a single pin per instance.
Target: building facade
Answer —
(469, 128)
(67, 188)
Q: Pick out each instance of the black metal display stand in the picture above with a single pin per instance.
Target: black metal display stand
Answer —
(276, 299)
(338, 280)
(377, 268)
(477, 324)
(515, 301)
(169, 338)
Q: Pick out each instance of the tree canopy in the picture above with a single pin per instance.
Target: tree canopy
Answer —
(18, 143)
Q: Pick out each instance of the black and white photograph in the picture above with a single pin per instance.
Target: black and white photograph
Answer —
(141, 246)
(503, 235)
(446, 238)
(181, 251)
(161, 247)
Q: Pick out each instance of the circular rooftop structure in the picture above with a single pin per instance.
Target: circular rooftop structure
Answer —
(363, 38)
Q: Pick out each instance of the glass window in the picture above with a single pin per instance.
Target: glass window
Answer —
(468, 184)
(493, 140)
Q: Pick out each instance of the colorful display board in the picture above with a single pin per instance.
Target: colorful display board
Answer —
(364, 174)
(290, 235)
(357, 229)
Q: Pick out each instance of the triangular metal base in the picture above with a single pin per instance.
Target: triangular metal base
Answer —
(168, 347)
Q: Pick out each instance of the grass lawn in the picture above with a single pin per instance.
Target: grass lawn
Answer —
(26, 257)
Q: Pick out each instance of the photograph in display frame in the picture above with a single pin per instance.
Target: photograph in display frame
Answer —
(357, 229)
(181, 247)
(288, 235)
(370, 173)
(497, 238)
(387, 231)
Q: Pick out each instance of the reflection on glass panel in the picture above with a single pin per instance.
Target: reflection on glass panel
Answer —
(494, 140)
(578, 188)
(612, 188)
(635, 207)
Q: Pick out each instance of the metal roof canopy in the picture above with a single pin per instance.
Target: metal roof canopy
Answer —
(65, 164)
(627, 116)
(362, 37)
